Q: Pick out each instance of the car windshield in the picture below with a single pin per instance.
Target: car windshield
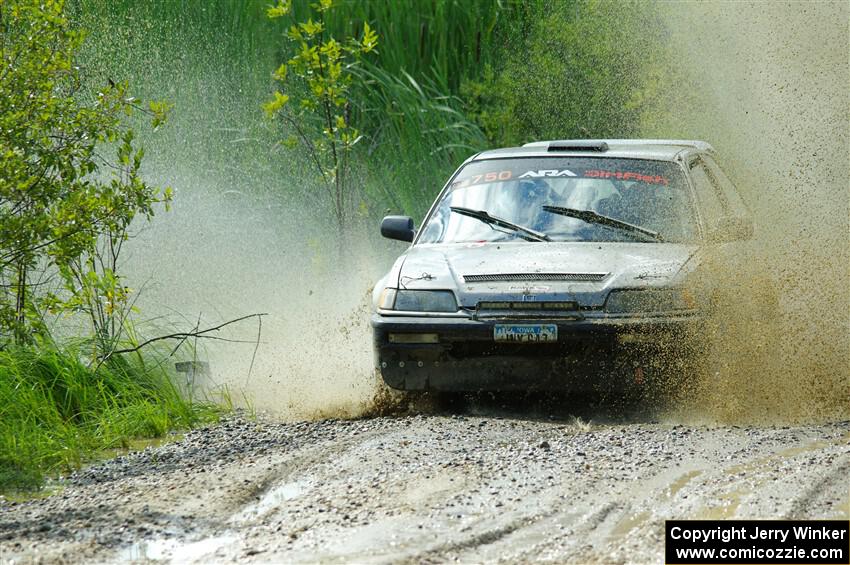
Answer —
(650, 195)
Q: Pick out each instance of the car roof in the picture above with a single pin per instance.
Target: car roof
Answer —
(658, 149)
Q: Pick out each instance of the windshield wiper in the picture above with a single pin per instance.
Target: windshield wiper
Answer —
(593, 218)
(482, 215)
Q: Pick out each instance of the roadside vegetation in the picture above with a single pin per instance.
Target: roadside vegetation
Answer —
(70, 190)
(446, 79)
(57, 411)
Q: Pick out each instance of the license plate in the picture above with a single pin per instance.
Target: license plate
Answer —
(526, 333)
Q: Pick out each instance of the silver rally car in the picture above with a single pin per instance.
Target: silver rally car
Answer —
(556, 265)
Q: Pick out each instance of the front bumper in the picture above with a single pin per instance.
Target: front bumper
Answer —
(589, 355)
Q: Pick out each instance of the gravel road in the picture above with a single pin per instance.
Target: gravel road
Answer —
(428, 488)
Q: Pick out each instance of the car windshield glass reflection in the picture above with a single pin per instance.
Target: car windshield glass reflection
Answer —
(652, 195)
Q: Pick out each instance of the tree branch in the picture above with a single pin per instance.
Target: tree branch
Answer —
(184, 335)
(256, 347)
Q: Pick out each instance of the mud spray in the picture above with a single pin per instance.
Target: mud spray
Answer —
(770, 83)
(311, 355)
(247, 232)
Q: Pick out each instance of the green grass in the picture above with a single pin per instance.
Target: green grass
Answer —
(416, 126)
(57, 412)
(444, 40)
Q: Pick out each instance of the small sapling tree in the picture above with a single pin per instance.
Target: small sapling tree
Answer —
(320, 74)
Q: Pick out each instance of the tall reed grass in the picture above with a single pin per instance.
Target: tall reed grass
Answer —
(443, 40)
(409, 106)
(419, 135)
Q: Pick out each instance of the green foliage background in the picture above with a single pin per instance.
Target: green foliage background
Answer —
(451, 77)
(583, 69)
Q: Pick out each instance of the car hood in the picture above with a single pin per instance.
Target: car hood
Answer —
(582, 271)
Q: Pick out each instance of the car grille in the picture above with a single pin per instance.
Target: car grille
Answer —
(522, 277)
(564, 310)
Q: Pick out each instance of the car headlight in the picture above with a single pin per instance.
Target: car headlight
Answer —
(649, 300)
(418, 300)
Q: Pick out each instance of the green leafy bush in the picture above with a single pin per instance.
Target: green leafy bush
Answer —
(70, 187)
(69, 177)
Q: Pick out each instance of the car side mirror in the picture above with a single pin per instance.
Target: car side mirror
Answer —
(398, 227)
(730, 228)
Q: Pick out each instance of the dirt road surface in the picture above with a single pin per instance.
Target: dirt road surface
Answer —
(428, 488)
